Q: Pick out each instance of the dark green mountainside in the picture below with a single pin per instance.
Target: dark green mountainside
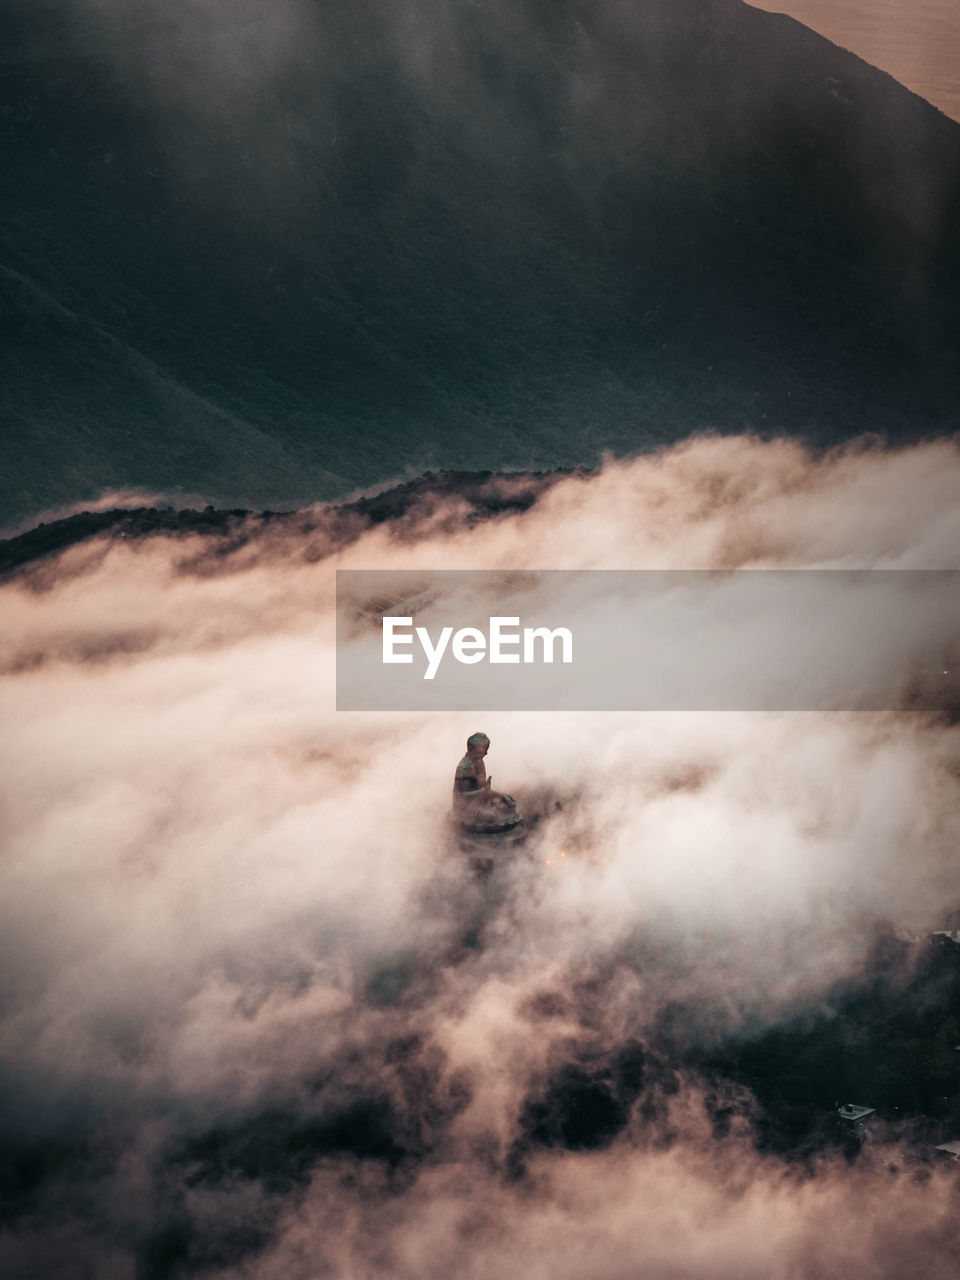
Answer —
(282, 252)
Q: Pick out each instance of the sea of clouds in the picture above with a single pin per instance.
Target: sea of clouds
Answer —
(258, 1017)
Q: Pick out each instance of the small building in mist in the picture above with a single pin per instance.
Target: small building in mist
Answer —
(854, 1113)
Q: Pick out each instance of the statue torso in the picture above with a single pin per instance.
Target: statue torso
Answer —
(471, 775)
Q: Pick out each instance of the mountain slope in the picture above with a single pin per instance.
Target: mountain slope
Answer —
(506, 234)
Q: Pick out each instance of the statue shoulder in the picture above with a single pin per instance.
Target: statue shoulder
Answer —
(469, 777)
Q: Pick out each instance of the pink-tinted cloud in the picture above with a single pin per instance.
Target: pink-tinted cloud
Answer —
(229, 910)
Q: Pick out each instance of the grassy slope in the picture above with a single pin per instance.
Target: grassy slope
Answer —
(594, 230)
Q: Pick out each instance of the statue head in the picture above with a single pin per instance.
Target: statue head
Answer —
(477, 744)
